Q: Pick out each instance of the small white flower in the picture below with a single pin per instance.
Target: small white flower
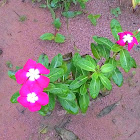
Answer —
(139, 30)
(33, 74)
(32, 97)
(127, 38)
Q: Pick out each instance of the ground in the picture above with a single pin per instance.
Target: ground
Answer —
(20, 41)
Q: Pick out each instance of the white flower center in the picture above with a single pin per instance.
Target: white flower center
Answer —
(127, 38)
(32, 97)
(33, 74)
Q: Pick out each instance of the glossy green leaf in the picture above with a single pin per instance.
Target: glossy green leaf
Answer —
(55, 74)
(117, 77)
(125, 60)
(115, 28)
(50, 87)
(71, 14)
(59, 38)
(95, 51)
(70, 96)
(138, 36)
(133, 62)
(105, 81)
(57, 23)
(116, 48)
(70, 106)
(47, 36)
(56, 61)
(51, 104)
(83, 89)
(94, 88)
(116, 11)
(11, 74)
(43, 59)
(107, 68)
(44, 110)
(90, 59)
(60, 90)
(78, 82)
(14, 97)
(84, 102)
(103, 41)
(86, 65)
(93, 18)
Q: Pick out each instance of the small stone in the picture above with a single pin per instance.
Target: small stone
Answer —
(1, 51)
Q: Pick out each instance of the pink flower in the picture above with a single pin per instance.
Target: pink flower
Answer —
(32, 97)
(127, 37)
(31, 74)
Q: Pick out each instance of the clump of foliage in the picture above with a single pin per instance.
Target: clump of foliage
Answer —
(75, 79)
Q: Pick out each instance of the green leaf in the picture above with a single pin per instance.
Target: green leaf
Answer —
(50, 87)
(83, 89)
(107, 68)
(57, 23)
(43, 59)
(95, 51)
(43, 6)
(94, 88)
(78, 82)
(44, 110)
(47, 36)
(14, 97)
(117, 77)
(93, 18)
(116, 48)
(105, 81)
(70, 106)
(115, 28)
(70, 96)
(59, 38)
(133, 62)
(56, 61)
(138, 36)
(51, 104)
(86, 65)
(125, 60)
(116, 11)
(71, 14)
(76, 58)
(103, 41)
(84, 102)
(11, 74)
(90, 59)
(60, 90)
(55, 74)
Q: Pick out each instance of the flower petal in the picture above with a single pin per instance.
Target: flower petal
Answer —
(23, 101)
(34, 107)
(135, 40)
(42, 69)
(130, 46)
(43, 81)
(36, 88)
(121, 42)
(128, 33)
(43, 98)
(21, 76)
(121, 35)
(29, 64)
(24, 90)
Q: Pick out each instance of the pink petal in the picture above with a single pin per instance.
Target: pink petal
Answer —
(23, 101)
(43, 81)
(21, 76)
(24, 90)
(29, 64)
(43, 98)
(128, 33)
(36, 88)
(121, 35)
(34, 107)
(42, 69)
(130, 46)
(135, 40)
(121, 42)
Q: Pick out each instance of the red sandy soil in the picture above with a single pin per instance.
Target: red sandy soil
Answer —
(19, 41)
